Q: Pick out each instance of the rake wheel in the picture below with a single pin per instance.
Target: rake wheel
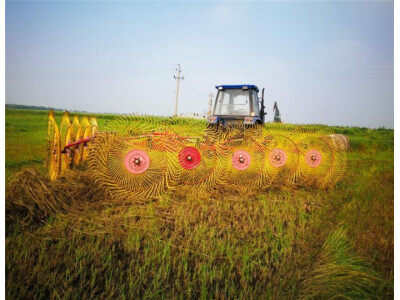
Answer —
(54, 151)
(85, 132)
(64, 126)
(67, 158)
(131, 168)
(85, 147)
(338, 168)
(282, 160)
(317, 161)
(75, 124)
(79, 148)
(93, 123)
(245, 165)
(198, 166)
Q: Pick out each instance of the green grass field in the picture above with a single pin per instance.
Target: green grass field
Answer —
(67, 239)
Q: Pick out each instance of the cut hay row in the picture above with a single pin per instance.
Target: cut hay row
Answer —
(254, 244)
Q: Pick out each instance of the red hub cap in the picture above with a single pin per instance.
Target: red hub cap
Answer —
(241, 160)
(313, 158)
(277, 158)
(137, 161)
(189, 158)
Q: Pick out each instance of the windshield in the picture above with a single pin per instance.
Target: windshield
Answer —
(233, 103)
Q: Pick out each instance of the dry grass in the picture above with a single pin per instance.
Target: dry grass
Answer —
(75, 242)
(31, 197)
(68, 239)
(338, 271)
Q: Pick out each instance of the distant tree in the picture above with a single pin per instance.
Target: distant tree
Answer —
(34, 107)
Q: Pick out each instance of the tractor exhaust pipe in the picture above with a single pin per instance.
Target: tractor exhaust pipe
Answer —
(262, 106)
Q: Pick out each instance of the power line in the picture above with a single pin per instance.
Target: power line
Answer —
(92, 74)
(193, 88)
(272, 71)
(305, 72)
(313, 75)
(269, 68)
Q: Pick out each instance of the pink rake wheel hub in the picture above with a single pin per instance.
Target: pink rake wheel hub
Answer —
(241, 160)
(137, 161)
(277, 157)
(313, 158)
(189, 158)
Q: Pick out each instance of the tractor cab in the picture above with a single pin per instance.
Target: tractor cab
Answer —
(238, 103)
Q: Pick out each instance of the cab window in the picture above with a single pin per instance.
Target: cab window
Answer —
(233, 102)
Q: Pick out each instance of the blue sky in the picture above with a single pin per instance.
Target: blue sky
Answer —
(324, 62)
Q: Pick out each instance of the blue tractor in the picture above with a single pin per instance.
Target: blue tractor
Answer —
(238, 103)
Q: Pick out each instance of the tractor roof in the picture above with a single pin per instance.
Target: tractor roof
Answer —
(237, 87)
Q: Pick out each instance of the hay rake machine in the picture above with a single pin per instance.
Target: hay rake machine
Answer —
(67, 143)
(136, 158)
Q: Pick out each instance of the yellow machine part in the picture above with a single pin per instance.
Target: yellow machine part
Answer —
(65, 124)
(235, 157)
(50, 124)
(138, 158)
(76, 125)
(93, 123)
(68, 132)
(67, 158)
(85, 147)
(54, 155)
(79, 148)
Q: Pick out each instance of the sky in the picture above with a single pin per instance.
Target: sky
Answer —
(323, 62)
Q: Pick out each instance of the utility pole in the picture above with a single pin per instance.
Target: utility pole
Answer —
(210, 104)
(178, 78)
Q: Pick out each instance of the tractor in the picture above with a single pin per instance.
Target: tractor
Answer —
(235, 103)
